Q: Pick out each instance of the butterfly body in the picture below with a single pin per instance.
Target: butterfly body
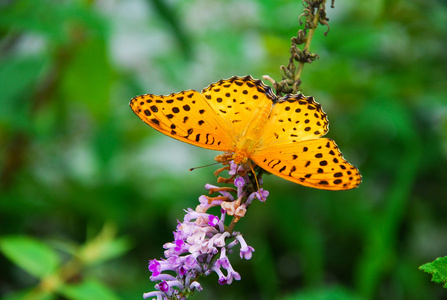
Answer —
(251, 139)
(242, 117)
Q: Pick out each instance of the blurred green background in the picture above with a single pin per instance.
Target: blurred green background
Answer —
(86, 182)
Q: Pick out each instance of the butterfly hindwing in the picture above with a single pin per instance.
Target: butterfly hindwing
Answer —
(294, 118)
(315, 163)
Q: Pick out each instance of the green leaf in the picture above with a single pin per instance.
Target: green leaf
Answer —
(438, 268)
(88, 289)
(97, 253)
(33, 256)
(104, 246)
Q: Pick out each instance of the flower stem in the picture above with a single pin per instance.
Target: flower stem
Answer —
(310, 35)
(230, 227)
(315, 13)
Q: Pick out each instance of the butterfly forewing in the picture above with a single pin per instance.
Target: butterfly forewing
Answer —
(239, 101)
(186, 116)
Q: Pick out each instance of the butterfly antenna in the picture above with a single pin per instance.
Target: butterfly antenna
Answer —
(192, 169)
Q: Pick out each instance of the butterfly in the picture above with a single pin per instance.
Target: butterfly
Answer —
(244, 118)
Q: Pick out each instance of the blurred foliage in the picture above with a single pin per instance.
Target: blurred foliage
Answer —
(74, 157)
(41, 261)
(438, 268)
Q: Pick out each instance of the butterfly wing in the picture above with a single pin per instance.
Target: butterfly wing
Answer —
(292, 149)
(213, 119)
(239, 100)
(185, 116)
(294, 118)
(315, 163)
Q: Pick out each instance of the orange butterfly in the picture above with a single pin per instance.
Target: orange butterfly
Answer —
(243, 117)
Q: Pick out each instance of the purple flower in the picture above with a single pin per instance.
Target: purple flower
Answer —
(213, 220)
(163, 286)
(223, 261)
(198, 239)
(246, 251)
(195, 286)
(262, 194)
(222, 278)
(160, 295)
(239, 182)
(201, 243)
(234, 168)
(232, 274)
(154, 267)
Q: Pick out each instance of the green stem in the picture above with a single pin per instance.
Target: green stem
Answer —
(309, 37)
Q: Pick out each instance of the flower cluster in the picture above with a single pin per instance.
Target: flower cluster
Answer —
(202, 242)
